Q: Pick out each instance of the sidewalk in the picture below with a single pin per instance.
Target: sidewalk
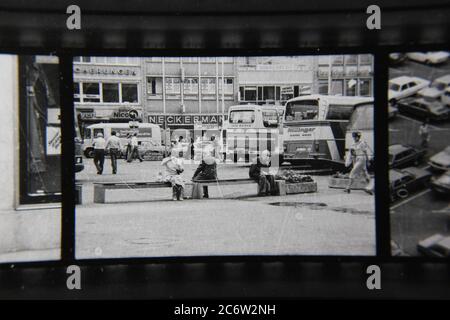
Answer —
(329, 222)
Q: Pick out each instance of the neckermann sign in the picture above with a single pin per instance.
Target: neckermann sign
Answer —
(185, 119)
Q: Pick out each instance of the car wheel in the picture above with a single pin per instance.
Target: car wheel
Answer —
(89, 153)
(393, 102)
(402, 193)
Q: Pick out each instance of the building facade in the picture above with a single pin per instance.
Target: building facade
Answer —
(107, 89)
(181, 93)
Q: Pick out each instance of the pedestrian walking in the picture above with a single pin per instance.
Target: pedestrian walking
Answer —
(99, 144)
(129, 149)
(424, 134)
(207, 170)
(135, 154)
(259, 171)
(192, 148)
(114, 146)
(358, 157)
(173, 166)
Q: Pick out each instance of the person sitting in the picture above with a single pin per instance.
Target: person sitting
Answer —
(207, 170)
(259, 172)
(173, 166)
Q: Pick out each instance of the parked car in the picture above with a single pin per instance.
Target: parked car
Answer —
(424, 109)
(397, 58)
(435, 246)
(435, 57)
(441, 160)
(392, 112)
(445, 98)
(404, 86)
(406, 181)
(441, 184)
(403, 155)
(437, 88)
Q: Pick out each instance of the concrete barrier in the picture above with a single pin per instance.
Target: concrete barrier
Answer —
(294, 188)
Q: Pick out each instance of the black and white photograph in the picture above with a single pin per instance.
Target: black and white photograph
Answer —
(30, 161)
(419, 153)
(215, 156)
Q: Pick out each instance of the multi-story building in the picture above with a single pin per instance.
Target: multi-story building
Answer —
(274, 80)
(183, 92)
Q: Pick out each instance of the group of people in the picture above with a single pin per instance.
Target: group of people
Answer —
(113, 146)
(260, 169)
(173, 169)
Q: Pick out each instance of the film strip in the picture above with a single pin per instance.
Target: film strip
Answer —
(311, 158)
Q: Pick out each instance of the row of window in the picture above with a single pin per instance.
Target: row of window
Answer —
(136, 60)
(190, 85)
(264, 93)
(106, 92)
(351, 87)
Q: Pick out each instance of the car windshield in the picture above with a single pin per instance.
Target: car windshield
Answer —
(394, 86)
(302, 110)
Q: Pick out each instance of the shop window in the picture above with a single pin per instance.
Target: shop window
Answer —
(129, 92)
(250, 94)
(91, 92)
(76, 92)
(40, 131)
(269, 93)
(228, 86)
(110, 92)
(365, 59)
(190, 86)
(154, 86)
(173, 86)
(337, 87)
(208, 86)
(350, 87)
(365, 87)
(260, 96)
(277, 93)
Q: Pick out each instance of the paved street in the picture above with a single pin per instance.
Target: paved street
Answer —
(422, 214)
(328, 222)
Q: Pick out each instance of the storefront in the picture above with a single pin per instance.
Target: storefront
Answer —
(188, 125)
(107, 89)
